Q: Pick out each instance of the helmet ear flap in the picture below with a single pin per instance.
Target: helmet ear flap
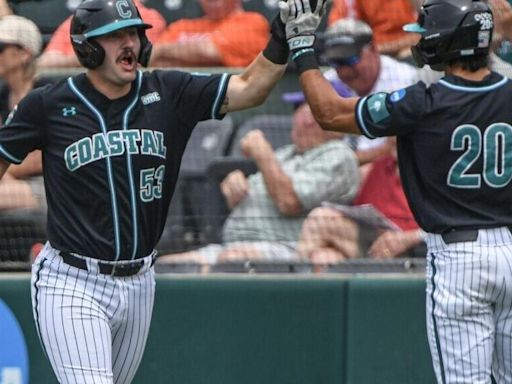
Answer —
(89, 53)
(145, 48)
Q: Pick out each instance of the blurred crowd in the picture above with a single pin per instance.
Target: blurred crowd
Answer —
(322, 198)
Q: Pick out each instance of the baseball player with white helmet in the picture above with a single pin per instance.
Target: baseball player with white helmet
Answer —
(455, 157)
(112, 141)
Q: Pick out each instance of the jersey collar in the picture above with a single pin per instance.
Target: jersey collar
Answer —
(98, 98)
(490, 82)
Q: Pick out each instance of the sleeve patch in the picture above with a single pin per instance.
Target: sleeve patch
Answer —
(377, 108)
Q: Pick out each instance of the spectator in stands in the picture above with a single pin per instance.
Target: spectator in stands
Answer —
(59, 51)
(350, 50)
(269, 207)
(225, 36)
(20, 44)
(385, 17)
(328, 236)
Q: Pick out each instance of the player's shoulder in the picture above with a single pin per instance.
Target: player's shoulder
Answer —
(492, 82)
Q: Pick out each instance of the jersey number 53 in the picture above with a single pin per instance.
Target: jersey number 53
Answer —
(151, 181)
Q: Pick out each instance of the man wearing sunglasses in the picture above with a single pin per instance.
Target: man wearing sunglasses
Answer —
(348, 47)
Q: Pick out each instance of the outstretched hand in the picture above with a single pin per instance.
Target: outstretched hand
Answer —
(301, 21)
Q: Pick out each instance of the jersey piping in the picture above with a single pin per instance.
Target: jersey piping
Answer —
(485, 88)
(220, 96)
(109, 165)
(8, 156)
(130, 170)
(362, 125)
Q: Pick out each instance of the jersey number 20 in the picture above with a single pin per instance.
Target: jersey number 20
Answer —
(496, 148)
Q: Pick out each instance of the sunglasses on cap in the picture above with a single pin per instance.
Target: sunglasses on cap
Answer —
(3, 46)
(344, 62)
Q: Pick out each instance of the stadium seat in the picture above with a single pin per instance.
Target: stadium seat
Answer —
(47, 14)
(173, 10)
(214, 209)
(208, 141)
(276, 129)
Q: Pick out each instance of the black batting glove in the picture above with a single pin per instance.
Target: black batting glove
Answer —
(277, 49)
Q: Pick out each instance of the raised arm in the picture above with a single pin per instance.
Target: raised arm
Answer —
(332, 112)
(251, 87)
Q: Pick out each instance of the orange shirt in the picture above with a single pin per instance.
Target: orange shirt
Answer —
(385, 17)
(61, 42)
(239, 37)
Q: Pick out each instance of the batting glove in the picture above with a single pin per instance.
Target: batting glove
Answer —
(277, 49)
(300, 26)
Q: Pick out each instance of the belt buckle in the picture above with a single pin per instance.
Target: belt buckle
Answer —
(127, 269)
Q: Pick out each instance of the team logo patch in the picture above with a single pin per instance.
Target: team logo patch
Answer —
(150, 98)
(485, 20)
(397, 95)
(123, 8)
(377, 107)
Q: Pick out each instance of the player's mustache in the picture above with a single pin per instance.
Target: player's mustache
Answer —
(127, 53)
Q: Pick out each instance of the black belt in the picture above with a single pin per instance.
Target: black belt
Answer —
(460, 235)
(121, 269)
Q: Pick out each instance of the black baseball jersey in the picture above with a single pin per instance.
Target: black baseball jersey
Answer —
(454, 143)
(110, 166)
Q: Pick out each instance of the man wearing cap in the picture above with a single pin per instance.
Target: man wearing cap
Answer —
(350, 50)
(269, 207)
(20, 44)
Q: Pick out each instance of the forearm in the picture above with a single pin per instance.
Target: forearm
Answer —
(4, 8)
(191, 53)
(31, 166)
(279, 185)
(252, 87)
(4, 165)
(331, 111)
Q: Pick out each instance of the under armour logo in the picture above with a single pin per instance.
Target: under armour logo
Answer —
(69, 111)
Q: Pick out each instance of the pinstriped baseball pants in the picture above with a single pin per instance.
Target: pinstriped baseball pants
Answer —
(469, 308)
(93, 327)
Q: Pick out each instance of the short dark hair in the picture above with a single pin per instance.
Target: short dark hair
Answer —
(470, 63)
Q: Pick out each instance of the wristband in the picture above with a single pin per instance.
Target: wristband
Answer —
(305, 60)
(276, 51)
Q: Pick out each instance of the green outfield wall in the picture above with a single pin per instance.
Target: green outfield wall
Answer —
(249, 329)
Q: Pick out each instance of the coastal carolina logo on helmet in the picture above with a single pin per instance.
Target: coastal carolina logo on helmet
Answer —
(95, 18)
(451, 29)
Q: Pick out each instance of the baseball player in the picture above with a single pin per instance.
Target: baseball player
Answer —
(112, 141)
(455, 158)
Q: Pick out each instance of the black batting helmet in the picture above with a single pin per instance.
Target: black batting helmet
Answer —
(451, 29)
(95, 18)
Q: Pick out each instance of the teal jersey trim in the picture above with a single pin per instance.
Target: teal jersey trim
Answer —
(106, 29)
(135, 222)
(218, 98)
(109, 165)
(8, 156)
(486, 88)
(359, 116)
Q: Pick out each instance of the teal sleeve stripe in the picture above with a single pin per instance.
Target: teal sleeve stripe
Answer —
(360, 120)
(7, 156)
(221, 94)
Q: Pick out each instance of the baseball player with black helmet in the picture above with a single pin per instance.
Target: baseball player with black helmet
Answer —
(112, 141)
(455, 157)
